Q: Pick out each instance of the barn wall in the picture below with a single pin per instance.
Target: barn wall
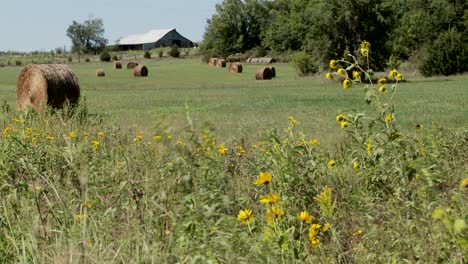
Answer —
(172, 38)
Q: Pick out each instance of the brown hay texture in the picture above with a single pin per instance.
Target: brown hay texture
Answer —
(100, 73)
(221, 63)
(260, 60)
(117, 65)
(131, 65)
(51, 84)
(213, 62)
(273, 72)
(264, 73)
(140, 71)
(235, 67)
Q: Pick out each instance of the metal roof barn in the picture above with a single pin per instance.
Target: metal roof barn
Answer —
(154, 39)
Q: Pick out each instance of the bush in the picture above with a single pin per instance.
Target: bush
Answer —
(147, 55)
(115, 58)
(70, 59)
(447, 55)
(174, 52)
(87, 60)
(105, 56)
(304, 63)
(160, 54)
(18, 63)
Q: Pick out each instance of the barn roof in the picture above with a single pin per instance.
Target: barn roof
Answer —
(148, 37)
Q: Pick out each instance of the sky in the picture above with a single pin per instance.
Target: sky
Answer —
(30, 25)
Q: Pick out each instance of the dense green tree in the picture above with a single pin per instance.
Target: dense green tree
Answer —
(87, 37)
(236, 27)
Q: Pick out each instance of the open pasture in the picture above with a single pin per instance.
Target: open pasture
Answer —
(237, 103)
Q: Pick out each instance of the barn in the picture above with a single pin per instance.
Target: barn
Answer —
(154, 39)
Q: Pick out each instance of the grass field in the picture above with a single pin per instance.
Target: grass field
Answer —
(236, 103)
(172, 169)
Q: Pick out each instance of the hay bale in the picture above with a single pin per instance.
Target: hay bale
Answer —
(140, 71)
(248, 60)
(51, 84)
(100, 73)
(264, 73)
(254, 60)
(213, 62)
(235, 67)
(273, 72)
(117, 65)
(221, 63)
(131, 65)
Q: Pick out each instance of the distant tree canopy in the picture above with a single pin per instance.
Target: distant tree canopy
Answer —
(327, 29)
(87, 37)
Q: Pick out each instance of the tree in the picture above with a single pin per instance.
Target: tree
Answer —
(236, 27)
(87, 37)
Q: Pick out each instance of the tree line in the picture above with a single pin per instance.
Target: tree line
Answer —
(432, 32)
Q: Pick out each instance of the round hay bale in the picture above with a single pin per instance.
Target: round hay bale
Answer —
(100, 73)
(235, 67)
(264, 73)
(273, 72)
(221, 63)
(117, 65)
(51, 84)
(213, 62)
(140, 71)
(254, 60)
(248, 60)
(131, 65)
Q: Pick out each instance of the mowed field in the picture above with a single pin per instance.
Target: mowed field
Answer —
(237, 104)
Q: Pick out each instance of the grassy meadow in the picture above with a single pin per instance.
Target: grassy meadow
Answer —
(197, 165)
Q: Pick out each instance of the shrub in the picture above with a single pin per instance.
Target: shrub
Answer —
(105, 56)
(18, 63)
(160, 53)
(115, 58)
(304, 63)
(174, 52)
(147, 55)
(87, 60)
(447, 55)
(70, 59)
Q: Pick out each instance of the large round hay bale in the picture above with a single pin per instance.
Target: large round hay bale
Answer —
(117, 65)
(254, 60)
(51, 84)
(273, 72)
(248, 60)
(140, 71)
(213, 62)
(235, 67)
(100, 73)
(131, 65)
(264, 74)
(221, 63)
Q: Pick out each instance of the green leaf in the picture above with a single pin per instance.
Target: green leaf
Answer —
(459, 225)
(438, 214)
(368, 97)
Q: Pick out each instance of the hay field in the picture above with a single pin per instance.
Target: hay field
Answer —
(237, 103)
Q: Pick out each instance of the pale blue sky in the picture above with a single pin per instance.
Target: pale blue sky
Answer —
(29, 25)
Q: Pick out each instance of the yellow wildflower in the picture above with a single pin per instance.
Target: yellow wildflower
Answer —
(271, 198)
(342, 72)
(383, 89)
(80, 217)
(18, 121)
(356, 75)
(314, 142)
(168, 137)
(347, 84)
(382, 81)
(340, 118)
(333, 64)
(419, 126)
(221, 149)
(359, 232)
(95, 143)
(157, 137)
(274, 213)
(50, 138)
(326, 227)
(180, 143)
(355, 166)
(101, 134)
(364, 48)
(240, 150)
(72, 134)
(263, 178)
(332, 164)
(34, 140)
(369, 147)
(245, 216)
(315, 242)
(304, 217)
(464, 184)
(388, 118)
(138, 138)
(393, 73)
(329, 76)
(344, 124)
(292, 120)
(399, 77)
